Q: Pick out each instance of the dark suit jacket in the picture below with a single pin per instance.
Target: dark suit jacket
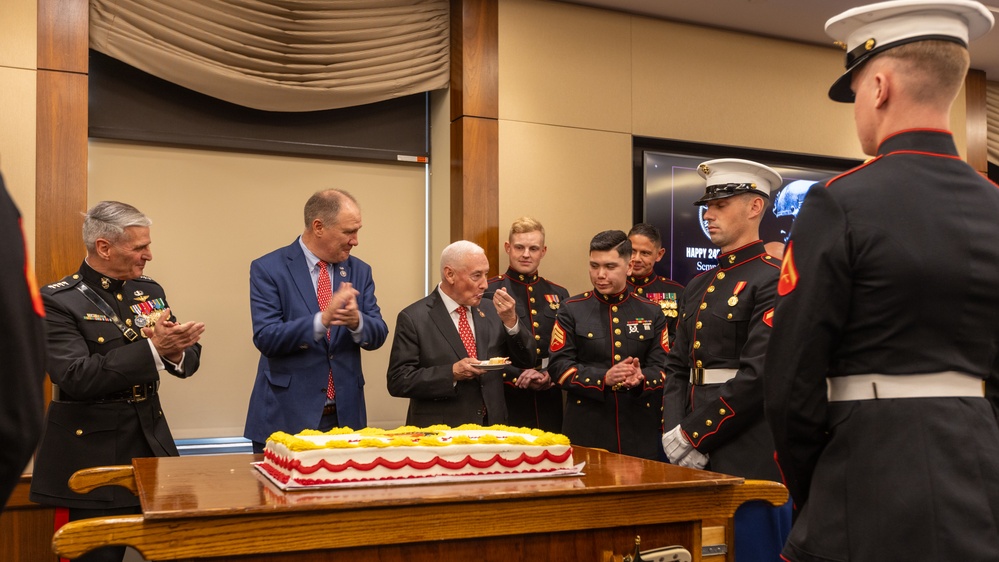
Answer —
(425, 347)
(290, 389)
(23, 350)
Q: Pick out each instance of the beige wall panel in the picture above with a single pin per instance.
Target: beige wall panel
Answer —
(19, 38)
(958, 122)
(213, 213)
(564, 65)
(17, 143)
(699, 84)
(576, 182)
(440, 181)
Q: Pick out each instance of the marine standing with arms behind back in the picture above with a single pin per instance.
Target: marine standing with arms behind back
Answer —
(532, 398)
(885, 325)
(110, 332)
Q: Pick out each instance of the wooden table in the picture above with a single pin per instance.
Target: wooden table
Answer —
(219, 507)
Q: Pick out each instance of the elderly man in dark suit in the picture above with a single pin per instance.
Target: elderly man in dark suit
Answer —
(314, 309)
(442, 342)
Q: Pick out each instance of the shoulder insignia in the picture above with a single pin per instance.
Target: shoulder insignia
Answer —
(768, 318)
(788, 272)
(59, 285)
(558, 337)
(62, 285)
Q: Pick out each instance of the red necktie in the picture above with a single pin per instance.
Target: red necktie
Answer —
(324, 292)
(465, 331)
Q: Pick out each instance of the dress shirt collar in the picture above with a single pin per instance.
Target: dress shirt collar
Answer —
(450, 303)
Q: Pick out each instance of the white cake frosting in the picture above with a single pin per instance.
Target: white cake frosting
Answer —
(343, 455)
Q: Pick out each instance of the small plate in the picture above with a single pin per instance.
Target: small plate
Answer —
(492, 366)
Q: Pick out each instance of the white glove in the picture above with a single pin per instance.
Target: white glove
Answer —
(694, 459)
(680, 452)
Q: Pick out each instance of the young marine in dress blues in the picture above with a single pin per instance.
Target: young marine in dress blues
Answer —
(608, 351)
(532, 398)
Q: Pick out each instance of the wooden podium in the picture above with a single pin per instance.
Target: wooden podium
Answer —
(213, 508)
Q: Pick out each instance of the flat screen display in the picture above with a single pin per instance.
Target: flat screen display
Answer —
(671, 185)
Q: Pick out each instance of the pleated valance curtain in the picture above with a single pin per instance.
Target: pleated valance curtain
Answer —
(281, 55)
(992, 120)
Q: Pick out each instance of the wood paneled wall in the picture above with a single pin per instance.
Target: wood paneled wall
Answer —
(475, 125)
(977, 121)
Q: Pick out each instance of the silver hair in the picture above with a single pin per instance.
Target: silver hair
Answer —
(108, 220)
(455, 254)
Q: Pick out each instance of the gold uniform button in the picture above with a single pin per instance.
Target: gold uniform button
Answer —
(617, 357)
(537, 337)
(613, 309)
(100, 339)
(616, 321)
(617, 331)
(707, 423)
(721, 275)
(79, 432)
(534, 312)
(118, 296)
(700, 363)
(698, 325)
(530, 289)
(536, 325)
(514, 380)
(641, 337)
(696, 435)
(579, 402)
(587, 380)
(704, 305)
(640, 290)
(711, 289)
(722, 411)
(697, 345)
(589, 334)
(729, 316)
(617, 344)
(538, 350)
(128, 321)
(532, 300)
(76, 277)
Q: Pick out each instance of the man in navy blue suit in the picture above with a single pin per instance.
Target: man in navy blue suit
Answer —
(309, 375)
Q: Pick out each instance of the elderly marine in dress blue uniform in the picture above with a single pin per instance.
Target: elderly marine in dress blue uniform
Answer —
(713, 400)
(885, 322)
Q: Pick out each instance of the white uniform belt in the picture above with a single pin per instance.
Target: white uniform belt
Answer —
(924, 385)
(711, 376)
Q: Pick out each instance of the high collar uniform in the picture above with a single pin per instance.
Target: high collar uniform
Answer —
(95, 419)
(892, 268)
(662, 291)
(725, 324)
(591, 334)
(538, 302)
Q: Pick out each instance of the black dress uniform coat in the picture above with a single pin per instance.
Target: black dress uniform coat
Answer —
(99, 417)
(663, 291)
(725, 320)
(22, 348)
(538, 301)
(892, 268)
(592, 333)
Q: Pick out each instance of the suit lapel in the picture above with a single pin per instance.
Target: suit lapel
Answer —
(298, 268)
(481, 334)
(442, 320)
